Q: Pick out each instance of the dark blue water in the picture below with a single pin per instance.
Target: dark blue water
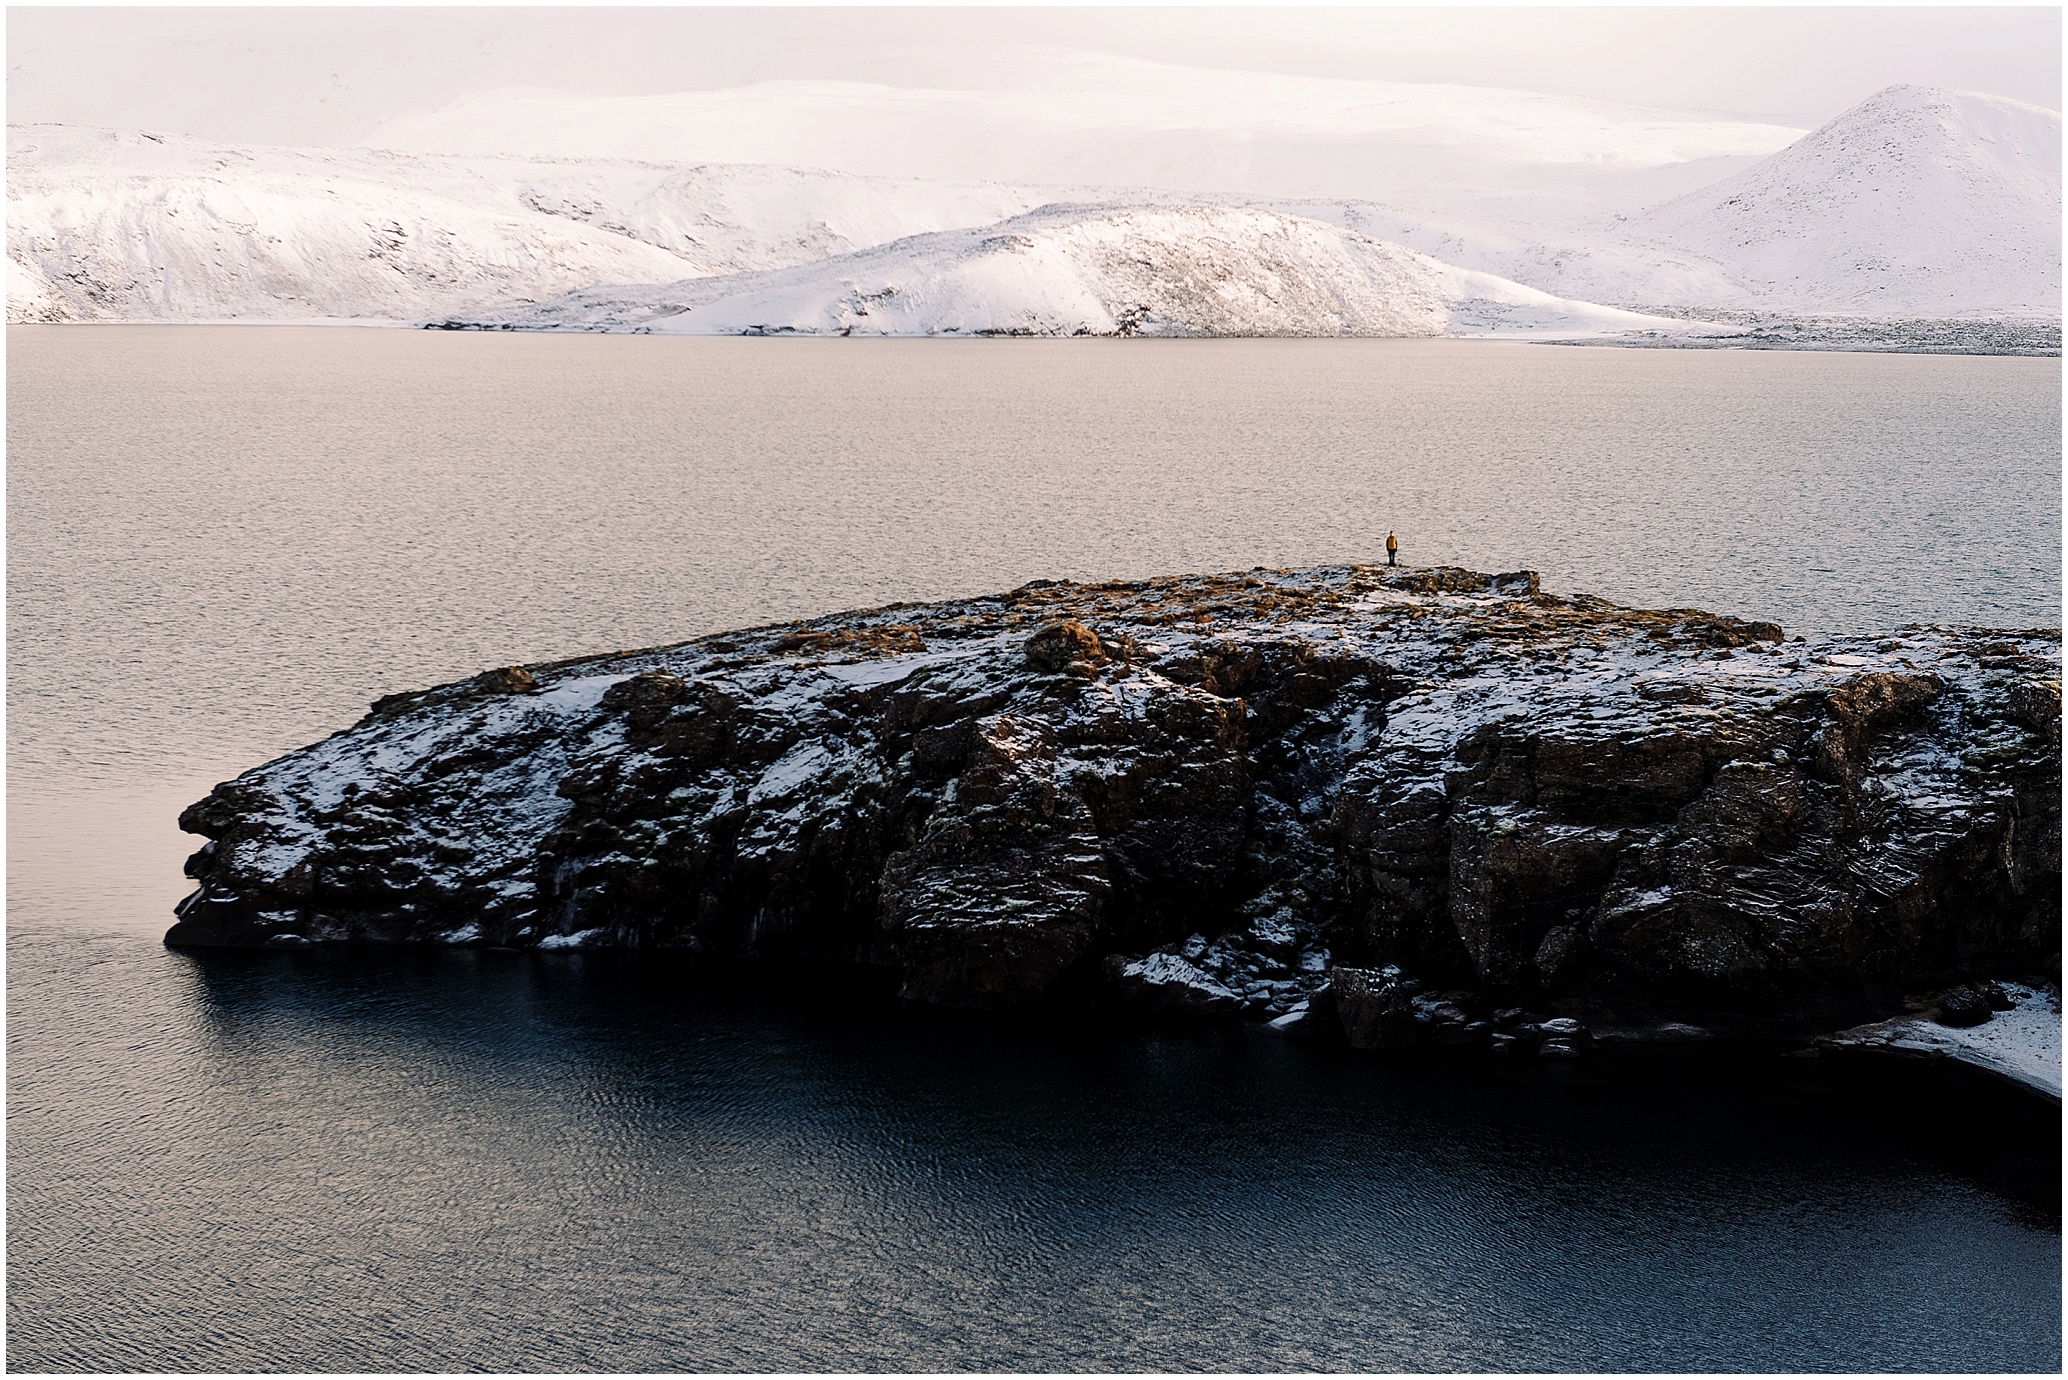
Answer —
(223, 543)
(447, 1161)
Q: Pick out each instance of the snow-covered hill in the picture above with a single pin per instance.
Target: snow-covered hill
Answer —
(1077, 118)
(1916, 202)
(127, 227)
(1104, 270)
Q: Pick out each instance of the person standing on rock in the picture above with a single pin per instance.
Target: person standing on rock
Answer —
(1392, 549)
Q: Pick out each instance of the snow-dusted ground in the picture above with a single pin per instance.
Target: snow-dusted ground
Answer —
(2022, 1044)
(1107, 270)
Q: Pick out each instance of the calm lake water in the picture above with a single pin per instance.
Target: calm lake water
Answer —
(223, 542)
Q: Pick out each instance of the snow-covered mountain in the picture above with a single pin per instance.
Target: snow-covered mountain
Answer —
(1064, 117)
(1104, 270)
(128, 226)
(1916, 202)
(133, 226)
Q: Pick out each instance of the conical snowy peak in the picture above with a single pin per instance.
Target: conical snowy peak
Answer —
(1917, 201)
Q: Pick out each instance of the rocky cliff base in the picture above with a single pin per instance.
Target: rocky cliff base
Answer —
(1413, 806)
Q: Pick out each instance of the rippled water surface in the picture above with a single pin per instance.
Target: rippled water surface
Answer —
(224, 542)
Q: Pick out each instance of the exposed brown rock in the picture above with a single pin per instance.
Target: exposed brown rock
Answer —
(1063, 645)
(508, 680)
(1518, 798)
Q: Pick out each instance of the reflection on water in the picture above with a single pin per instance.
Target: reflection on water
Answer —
(375, 1160)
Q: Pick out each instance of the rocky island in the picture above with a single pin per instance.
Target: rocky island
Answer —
(1395, 806)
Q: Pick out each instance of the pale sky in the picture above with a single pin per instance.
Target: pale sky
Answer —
(326, 76)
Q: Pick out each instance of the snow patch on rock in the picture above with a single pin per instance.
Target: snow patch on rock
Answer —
(580, 939)
(2022, 1045)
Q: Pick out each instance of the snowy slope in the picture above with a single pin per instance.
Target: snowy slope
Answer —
(1097, 119)
(735, 218)
(104, 226)
(125, 226)
(1104, 270)
(1916, 202)
(1548, 242)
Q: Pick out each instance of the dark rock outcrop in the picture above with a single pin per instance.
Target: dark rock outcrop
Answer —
(1963, 1007)
(1374, 1007)
(1525, 802)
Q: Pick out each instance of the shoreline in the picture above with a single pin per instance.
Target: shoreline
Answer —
(1749, 341)
(2020, 1047)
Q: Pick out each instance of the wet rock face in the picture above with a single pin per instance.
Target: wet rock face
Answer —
(1202, 795)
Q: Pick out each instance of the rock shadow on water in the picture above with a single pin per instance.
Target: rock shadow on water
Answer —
(900, 1185)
